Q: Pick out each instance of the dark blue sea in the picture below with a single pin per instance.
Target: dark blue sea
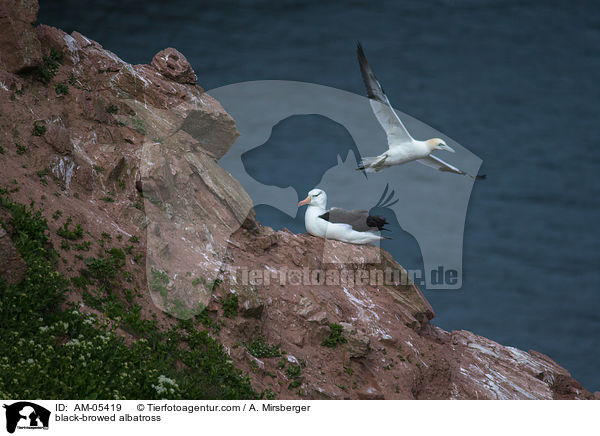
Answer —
(515, 82)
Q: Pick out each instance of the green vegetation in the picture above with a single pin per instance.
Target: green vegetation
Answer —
(103, 270)
(66, 233)
(261, 349)
(98, 168)
(216, 283)
(2, 151)
(294, 373)
(294, 384)
(108, 199)
(50, 65)
(112, 109)
(51, 349)
(198, 280)
(83, 246)
(139, 125)
(335, 337)
(61, 89)
(21, 150)
(42, 175)
(267, 394)
(159, 282)
(230, 305)
(38, 129)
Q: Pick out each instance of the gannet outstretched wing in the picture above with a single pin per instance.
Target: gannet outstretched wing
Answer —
(402, 147)
(385, 114)
(435, 162)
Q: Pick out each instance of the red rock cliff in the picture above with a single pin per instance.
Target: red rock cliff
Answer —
(111, 152)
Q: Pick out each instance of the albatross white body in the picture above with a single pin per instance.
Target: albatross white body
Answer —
(317, 226)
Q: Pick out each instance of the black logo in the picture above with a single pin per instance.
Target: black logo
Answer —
(26, 415)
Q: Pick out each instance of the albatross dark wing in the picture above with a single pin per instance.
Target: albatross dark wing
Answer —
(360, 220)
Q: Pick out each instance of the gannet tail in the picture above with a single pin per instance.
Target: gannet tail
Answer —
(371, 164)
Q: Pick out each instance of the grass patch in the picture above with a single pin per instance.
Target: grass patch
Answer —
(103, 270)
(61, 89)
(293, 371)
(139, 125)
(38, 129)
(159, 282)
(65, 231)
(21, 149)
(335, 337)
(261, 349)
(49, 66)
(230, 305)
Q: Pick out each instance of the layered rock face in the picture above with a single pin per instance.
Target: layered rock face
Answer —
(131, 151)
(21, 49)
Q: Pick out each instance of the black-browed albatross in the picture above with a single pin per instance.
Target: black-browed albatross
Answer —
(353, 226)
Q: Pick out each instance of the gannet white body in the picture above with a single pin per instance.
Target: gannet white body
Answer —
(402, 147)
(355, 227)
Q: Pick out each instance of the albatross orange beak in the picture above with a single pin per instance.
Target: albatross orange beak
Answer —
(305, 201)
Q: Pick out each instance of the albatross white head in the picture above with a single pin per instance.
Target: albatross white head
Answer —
(438, 144)
(316, 197)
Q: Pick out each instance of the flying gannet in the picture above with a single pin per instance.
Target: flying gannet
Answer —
(402, 147)
(353, 226)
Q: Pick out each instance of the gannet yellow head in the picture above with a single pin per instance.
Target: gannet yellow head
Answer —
(438, 144)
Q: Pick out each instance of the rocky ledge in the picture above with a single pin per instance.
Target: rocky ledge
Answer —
(130, 152)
